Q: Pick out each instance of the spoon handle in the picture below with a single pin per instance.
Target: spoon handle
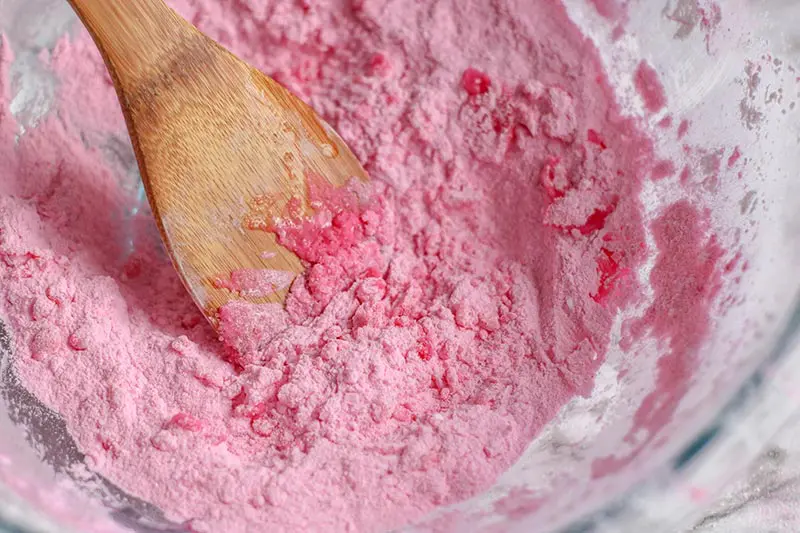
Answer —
(132, 35)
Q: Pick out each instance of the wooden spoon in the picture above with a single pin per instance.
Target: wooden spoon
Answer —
(217, 142)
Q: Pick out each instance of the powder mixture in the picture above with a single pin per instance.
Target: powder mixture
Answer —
(436, 329)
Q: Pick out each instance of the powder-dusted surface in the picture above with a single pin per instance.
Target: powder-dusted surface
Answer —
(686, 278)
(436, 330)
(649, 87)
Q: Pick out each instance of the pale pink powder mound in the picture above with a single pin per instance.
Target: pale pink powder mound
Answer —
(437, 328)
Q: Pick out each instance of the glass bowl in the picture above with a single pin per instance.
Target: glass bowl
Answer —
(729, 70)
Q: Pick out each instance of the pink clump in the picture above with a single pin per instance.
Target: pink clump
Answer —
(79, 340)
(380, 65)
(596, 221)
(609, 270)
(734, 157)
(610, 9)
(683, 129)
(312, 240)
(475, 82)
(185, 421)
(553, 179)
(663, 169)
(593, 223)
(595, 138)
(649, 87)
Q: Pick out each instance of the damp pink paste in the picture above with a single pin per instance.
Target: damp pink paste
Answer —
(440, 322)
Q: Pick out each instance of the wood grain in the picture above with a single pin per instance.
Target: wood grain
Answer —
(212, 135)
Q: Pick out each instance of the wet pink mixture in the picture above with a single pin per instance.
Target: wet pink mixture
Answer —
(437, 328)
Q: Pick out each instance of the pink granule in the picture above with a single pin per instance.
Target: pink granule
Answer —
(440, 323)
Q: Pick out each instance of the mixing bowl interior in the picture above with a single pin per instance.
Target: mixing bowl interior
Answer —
(661, 422)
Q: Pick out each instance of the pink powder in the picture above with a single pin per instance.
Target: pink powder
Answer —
(685, 277)
(649, 87)
(734, 157)
(440, 323)
(683, 129)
